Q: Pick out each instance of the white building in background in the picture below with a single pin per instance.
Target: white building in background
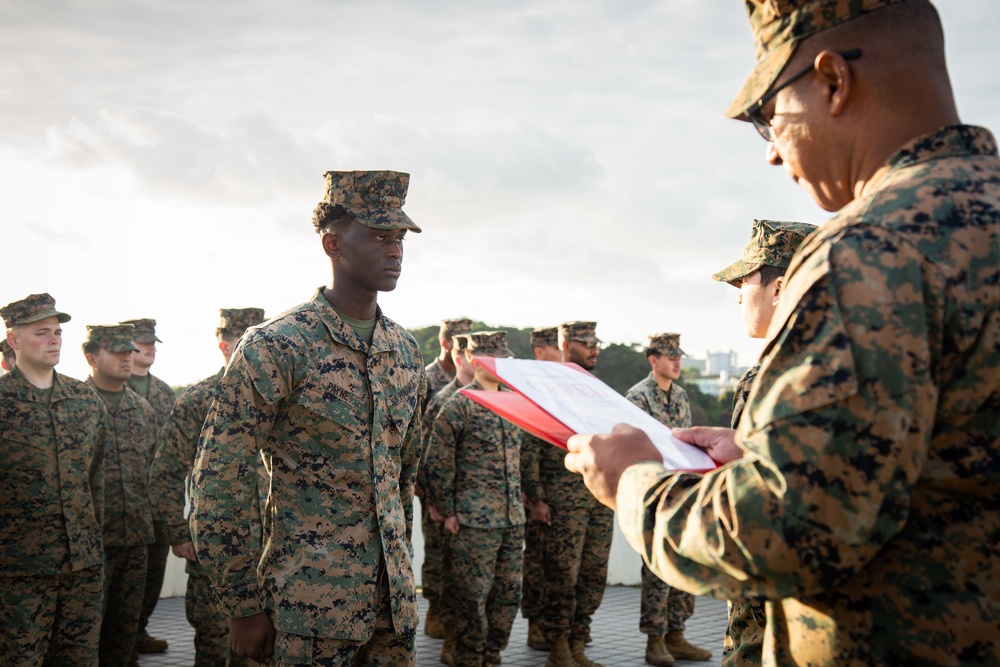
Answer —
(722, 362)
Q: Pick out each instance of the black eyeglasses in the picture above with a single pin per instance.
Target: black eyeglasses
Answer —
(753, 113)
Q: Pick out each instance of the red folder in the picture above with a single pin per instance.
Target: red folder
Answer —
(520, 410)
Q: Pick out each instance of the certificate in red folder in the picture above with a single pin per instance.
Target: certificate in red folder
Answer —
(555, 400)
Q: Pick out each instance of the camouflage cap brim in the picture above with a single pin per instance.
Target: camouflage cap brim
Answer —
(120, 347)
(737, 271)
(385, 219)
(763, 75)
(146, 339)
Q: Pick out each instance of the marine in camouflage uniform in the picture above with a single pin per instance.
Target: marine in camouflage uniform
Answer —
(438, 377)
(663, 608)
(128, 520)
(435, 539)
(864, 509)
(177, 445)
(578, 541)
(545, 347)
(474, 479)
(332, 400)
(767, 255)
(161, 397)
(51, 502)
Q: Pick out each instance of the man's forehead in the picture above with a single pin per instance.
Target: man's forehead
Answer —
(48, 323)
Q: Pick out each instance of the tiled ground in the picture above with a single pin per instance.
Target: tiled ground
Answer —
(617, 642)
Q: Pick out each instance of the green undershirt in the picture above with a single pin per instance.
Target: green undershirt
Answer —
(112, 397)
(141, 384)
(364, 328)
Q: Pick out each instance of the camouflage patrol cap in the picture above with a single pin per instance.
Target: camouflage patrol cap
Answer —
(772, 242)
(30, 309)
(778, 27)
(145, 330)
(461, 341)
(6, 351)
(375, 198)
(547, 337)
(237, 320)
(584, 332)
(668, 344)
(111, 337)
(458, 326)
(489, 344)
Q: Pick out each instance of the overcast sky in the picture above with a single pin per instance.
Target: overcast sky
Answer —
(569, 158)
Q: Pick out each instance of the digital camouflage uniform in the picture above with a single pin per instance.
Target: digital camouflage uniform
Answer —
(864, 509)
(473, 473)
(663, 607)
(533, 571)
(437, 379)
(578, 543)
(128, 520)
(432, 571)
(772, 243)
(161, 397)
(177, 445)
(337, 421)
(51, 509)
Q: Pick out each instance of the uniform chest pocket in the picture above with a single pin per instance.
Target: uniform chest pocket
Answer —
(25, 436)
(400, 404)
(330, 397)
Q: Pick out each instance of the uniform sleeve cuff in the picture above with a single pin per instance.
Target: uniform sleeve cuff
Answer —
(240, 603)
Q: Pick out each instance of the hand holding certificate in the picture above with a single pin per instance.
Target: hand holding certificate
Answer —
(556, 400)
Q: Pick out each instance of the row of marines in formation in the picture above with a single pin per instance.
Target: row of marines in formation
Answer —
(491, 495)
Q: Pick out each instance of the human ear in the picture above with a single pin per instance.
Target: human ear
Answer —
(331, 246)
(778, 284)
(835, 73)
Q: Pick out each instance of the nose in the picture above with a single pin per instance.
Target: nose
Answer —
(772, 155)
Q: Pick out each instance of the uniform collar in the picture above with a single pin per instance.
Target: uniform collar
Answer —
(948, 141)
(344, 334)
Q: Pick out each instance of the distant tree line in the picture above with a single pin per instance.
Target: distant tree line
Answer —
(619, 365)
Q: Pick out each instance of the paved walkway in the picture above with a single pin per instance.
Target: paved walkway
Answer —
(617, 642)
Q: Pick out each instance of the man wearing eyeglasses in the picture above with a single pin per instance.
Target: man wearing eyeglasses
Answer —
(859, 493)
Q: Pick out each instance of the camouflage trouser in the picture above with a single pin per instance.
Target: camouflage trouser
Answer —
(210, 622)
(431, 574)
(744, 642)
(533, 579)
(577, 546)
(444, 604)
(124, 582)
(663, 607)
(51, 619)
(485, 581)
(156, 567)
(385, 648)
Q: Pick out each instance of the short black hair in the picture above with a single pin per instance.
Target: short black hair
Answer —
(651, 352)
(227, 335)
(91, 348)
(328, 216)
(769, 273)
